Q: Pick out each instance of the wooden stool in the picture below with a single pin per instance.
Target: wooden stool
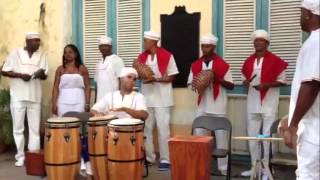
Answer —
(190, 157)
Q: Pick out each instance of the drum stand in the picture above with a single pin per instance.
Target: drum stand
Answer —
(145, 161)
(260, 164)
(257, 169)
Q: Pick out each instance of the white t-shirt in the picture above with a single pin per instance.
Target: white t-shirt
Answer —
(307, 69)
(19, 61)
(271, 100)
(113, 100)
(107, 73)
(159, 94)
(207, 103)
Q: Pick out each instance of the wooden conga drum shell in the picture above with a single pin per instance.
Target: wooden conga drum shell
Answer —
(62, 151)
(98, 146)
(125, 152)
(125, 171)
(190, 157)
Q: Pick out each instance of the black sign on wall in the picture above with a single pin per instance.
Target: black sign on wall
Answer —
(180, 36)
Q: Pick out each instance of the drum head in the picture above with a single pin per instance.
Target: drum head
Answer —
(63, 120)
(126, 122)
(102, 118)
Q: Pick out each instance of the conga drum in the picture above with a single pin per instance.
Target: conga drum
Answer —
(125, 149)
(98, 145)
(62, 150)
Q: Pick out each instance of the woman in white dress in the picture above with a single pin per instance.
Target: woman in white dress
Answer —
(71, 91)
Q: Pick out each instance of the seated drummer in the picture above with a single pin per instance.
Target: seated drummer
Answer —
(125, 103)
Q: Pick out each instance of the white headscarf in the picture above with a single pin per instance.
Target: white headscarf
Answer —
(127, 71)
(105, 40)
(32, 35)
(312, 5)
(209, 39)
(151, 35)
(260, 33)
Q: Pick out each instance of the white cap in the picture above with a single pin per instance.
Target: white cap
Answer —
(105, 40)
(260, 33)
(151, 35)
(209, 39)
(32, 35)
(312, 5)
(126, 71)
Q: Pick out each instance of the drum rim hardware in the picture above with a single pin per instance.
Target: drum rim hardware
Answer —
(48, 135)
(115, 137)
(94, 134)
(67, 137)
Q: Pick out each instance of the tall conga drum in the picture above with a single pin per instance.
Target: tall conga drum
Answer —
(98, 145)
(62, 148)
(125, 149)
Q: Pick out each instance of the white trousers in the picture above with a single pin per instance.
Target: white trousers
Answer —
(18, 111)
(255, 123)
(308, 156)
(221, 138)
(161, 117)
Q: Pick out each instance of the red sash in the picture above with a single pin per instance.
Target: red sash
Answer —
(219, 67)
(163, 57)
(272, 66)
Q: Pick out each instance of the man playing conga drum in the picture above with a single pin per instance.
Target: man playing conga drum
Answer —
(125, 103)
(264, 73)
(212, 100)
(26, 67)
(304, 117)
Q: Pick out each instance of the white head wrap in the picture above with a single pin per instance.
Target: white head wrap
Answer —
(151, 35)
(126, 71)
(260, 33)
(105, 40)
(209, 39)
(312, 5)
(32, 35)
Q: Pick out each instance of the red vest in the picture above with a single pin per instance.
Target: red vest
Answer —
(219, 67)
(272, 66)
(163, 57)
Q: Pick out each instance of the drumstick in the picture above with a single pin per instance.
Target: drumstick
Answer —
(254, 76)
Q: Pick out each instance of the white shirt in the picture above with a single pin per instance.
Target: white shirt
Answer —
(307, 69)
(19, 61)
(113, 100)
(271, 100)
(159, 94)
(207, 103)
(107, 73)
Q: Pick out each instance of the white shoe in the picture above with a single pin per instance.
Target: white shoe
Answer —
(88, 168)
(247, 173)
(223, 172)
(19, 163)
(264, 175)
